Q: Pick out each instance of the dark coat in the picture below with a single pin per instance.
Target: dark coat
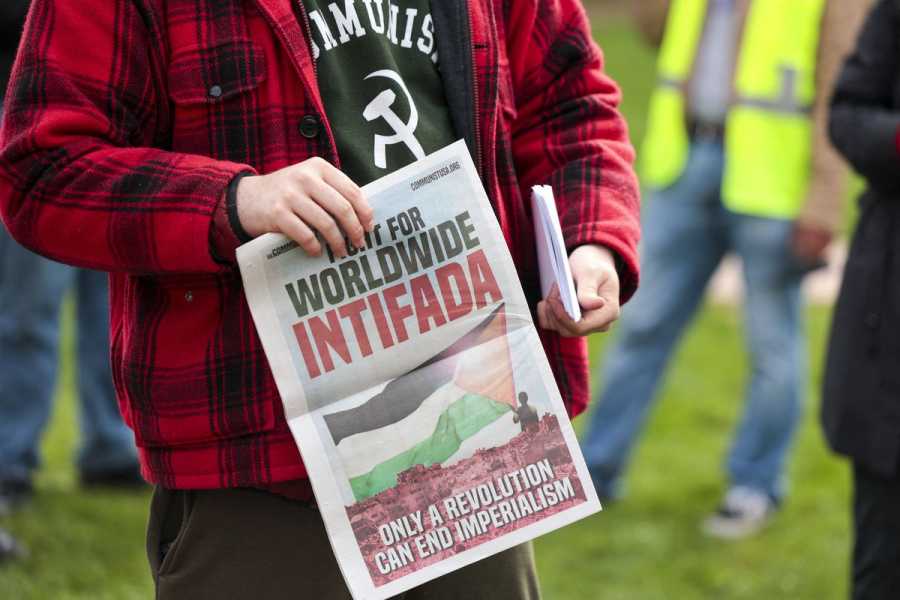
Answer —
(861, 404)
(12, 17)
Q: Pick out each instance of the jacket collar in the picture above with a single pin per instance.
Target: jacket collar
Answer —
(453, 31)
(286, 22)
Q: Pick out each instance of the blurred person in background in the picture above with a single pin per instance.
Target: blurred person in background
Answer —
(11, 17)
(861, 396)
(736, 159)
(31, 292)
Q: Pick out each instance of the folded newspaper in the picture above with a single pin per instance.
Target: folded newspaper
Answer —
(553, 262)
(415, 385)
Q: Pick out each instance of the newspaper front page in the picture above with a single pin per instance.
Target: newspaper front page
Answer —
(415, 385)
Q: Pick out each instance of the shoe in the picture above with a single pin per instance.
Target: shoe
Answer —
(13, 494)
(128, 478)
(744, 512)
(9, 547)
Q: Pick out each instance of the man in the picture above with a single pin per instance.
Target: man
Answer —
(737, 160)
(188, 126)
(526, 416)
(31, 292)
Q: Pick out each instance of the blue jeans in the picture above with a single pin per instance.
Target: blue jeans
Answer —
(31, 291)
(686, 233)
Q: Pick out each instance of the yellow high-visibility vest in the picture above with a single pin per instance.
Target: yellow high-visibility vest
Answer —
(769, 126)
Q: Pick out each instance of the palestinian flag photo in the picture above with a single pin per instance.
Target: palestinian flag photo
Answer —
(441, 412)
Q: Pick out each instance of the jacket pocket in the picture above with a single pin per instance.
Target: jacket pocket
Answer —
(216, 93)
(174, 530)
(217, 74)
(190, 364)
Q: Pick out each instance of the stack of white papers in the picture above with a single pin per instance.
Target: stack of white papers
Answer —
(553, 259)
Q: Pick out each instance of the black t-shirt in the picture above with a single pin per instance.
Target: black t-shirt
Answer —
(377, 69)
(12, 18)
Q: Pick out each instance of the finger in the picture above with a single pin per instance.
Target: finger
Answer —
(543, 322)
(549, 323)
(297, 230)
(565, 325)
(317, 219)
(600, 319)
(587, 290)
(338, 207)
(352, 192)
(558, 308)
(610, 291)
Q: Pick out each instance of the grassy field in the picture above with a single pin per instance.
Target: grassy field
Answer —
(647, 547)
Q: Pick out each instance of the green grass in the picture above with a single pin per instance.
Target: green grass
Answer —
(80, 545)
(648, 547)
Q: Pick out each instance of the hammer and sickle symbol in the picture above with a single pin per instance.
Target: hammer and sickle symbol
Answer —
(380, 108)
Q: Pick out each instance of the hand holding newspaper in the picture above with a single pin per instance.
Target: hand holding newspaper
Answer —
(415, 385)
(553, 260)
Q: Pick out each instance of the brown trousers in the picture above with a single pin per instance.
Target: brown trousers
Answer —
(237, 544)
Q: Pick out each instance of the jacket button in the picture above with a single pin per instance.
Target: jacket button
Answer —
(215, 91)
(309, 126)
(872, 320)
(189, 296)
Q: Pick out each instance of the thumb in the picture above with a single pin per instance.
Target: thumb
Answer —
(587, 287)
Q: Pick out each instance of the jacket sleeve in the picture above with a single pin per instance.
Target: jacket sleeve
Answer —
(569, 133)
(864, 124)
(824, 206)
(82, 177)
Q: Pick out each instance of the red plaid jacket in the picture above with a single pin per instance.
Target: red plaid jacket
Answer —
(126, 119)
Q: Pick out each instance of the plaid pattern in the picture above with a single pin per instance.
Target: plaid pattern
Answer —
(126, 120)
